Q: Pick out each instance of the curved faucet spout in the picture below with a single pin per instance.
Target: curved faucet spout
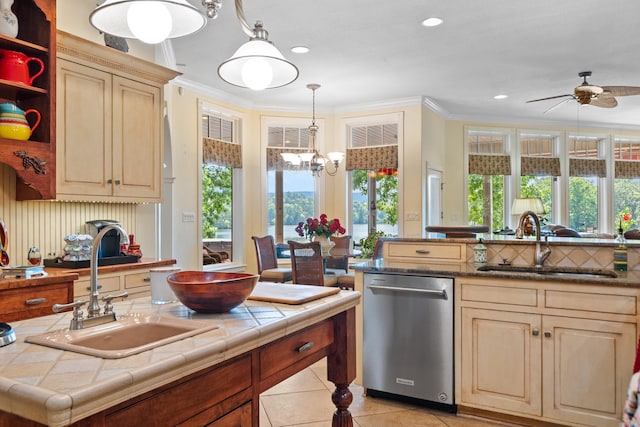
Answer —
(541, 255)
(94, 306)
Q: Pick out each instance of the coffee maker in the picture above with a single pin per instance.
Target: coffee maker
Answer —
(110, 244)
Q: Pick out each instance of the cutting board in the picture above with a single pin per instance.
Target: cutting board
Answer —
(289, 294)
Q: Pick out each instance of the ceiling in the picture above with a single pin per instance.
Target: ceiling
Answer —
(375, 53)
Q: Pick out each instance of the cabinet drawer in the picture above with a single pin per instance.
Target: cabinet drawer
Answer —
(137, 280)
(24, 303)
(107, 284)
(442, 252)
(287, 351)
(499, 294)
(591, 302)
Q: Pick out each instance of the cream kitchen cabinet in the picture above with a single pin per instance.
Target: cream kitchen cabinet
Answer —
(554, 352)
(135, 282)
(109, 124)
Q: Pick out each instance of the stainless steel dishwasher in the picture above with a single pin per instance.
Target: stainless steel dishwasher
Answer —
(408, 337)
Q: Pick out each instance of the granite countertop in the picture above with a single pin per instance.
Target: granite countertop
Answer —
(58, 387)
(453, 269)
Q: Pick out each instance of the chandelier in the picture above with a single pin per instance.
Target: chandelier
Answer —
(312, 160)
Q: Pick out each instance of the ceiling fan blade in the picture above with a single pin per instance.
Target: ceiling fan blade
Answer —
(605, 100)
(621, 90)
(551, 97)
(564, 101)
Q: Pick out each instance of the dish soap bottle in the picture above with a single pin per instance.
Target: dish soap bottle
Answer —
(480, 253)
(620, 251)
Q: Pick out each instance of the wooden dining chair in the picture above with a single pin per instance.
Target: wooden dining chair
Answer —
(307, 265)
(268, 262)
(339, 259)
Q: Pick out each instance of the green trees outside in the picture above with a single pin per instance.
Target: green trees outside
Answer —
(216, 199)
(583, 204)
(297, 207)
(627, 201)
(386, 198)
(476, 200)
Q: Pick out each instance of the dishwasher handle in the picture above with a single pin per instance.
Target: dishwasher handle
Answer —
(442, 294)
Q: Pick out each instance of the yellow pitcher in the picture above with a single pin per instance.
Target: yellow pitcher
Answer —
(13, 121)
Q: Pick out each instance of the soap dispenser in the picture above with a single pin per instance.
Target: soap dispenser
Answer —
(480, 253)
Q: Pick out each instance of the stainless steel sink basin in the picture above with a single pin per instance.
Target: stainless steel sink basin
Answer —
(126, 336)
(551, 270)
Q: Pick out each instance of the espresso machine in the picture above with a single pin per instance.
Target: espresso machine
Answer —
(110, 245)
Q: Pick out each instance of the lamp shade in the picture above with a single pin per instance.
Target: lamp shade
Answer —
(258, 65)
(533, 204)
(150, 21)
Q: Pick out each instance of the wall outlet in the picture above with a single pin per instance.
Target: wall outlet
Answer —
(413, 216)
(188, 217)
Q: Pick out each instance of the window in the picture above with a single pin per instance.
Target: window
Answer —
(489, 164)
(291, 192)
(586, 167)
(539, 169)
(372, 159)
(220, 154)
(626, 154)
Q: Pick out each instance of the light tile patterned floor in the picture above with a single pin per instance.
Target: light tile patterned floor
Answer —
(304, 400)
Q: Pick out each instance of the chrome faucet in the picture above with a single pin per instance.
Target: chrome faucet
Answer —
(541, 255)
(94, 307)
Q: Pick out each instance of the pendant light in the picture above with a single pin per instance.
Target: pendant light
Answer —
(151, 21)
(312, 160)
(257, 64)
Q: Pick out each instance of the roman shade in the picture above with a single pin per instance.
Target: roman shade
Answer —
(221, 153)
(489, 164)
(587, 167)
(372, 158)
(539, 166)
(627, 169)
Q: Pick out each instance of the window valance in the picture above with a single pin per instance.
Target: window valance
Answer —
(539, 166)
(372, 158)
(489, 164)
(627, 169)
(588, 167)
(221, 153)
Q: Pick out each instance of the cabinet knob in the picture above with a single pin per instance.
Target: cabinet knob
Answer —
(535, 332)
(547, 334)
(109, 181)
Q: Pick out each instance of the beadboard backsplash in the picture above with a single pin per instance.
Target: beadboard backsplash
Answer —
(45, 223)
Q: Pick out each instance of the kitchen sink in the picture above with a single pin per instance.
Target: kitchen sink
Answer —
(551, 270)
(131, 334)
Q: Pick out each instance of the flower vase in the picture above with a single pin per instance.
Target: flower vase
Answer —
(8, 20)
(325, 244)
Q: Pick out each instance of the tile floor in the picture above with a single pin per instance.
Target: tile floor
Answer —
(304, 400)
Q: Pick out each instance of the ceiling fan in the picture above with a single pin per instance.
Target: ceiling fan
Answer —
(598, 96)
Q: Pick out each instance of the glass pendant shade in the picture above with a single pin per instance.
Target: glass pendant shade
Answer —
(258, 65)
(150, 21)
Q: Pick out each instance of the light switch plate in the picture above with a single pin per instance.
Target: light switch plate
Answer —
(188, 217)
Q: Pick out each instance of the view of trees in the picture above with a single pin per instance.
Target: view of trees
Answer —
(216, 199)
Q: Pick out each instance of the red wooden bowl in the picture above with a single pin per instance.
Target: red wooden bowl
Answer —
(212, 291)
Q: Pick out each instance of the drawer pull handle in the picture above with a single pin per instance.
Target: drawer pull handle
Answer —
(305, 347)
(146, 279)
(423, 251)
(535, 332)
(547, 334)
(35, 301)
(89, 287)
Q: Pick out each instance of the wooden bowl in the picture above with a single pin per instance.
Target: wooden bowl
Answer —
(212, 291)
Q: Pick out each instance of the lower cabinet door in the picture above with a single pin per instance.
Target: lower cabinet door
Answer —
(241, 417)
(588, 364)
(501, 363)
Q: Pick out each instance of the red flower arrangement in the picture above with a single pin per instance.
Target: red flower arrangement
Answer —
(320, 227)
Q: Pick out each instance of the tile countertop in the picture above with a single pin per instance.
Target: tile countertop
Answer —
(625, 278)
(58, 387)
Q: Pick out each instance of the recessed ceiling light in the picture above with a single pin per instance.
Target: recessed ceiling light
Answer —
(501, 96)
(299, 49)
(432, 22)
